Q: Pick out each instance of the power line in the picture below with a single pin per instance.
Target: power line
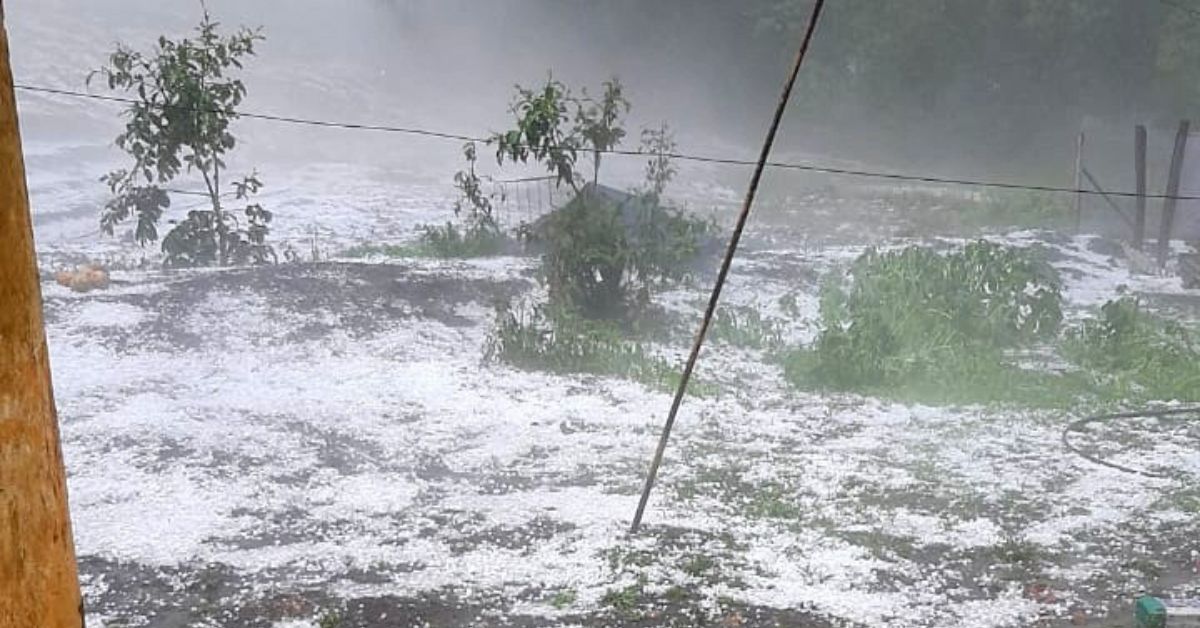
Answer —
(194, 192)
(727, 161)
(526, 179)
(257, 116)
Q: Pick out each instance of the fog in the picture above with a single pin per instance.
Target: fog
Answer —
(707, 67)
(446, 66)
(368, 409)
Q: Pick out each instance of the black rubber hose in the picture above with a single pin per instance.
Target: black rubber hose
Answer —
(1076, 426)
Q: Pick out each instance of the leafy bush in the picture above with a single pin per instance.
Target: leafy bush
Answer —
(603, 252)
(184, 101)
(915, 316)
(605, 249)
(1133, 354)
(599, 253)
(208, 237)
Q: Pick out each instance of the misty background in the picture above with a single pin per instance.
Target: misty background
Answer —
(990, 88)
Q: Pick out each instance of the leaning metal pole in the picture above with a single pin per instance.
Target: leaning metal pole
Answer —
(39, 585)
(728, 261)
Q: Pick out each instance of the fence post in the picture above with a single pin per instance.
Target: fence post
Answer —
(1173, 181)
(39, 585)
(1139, 161)
(1079, 183)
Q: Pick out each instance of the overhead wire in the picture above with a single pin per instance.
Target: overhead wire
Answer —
(709, 159)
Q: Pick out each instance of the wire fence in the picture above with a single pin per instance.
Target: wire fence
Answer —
(523, 201)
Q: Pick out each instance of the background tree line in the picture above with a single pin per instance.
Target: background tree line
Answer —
(1013, 75)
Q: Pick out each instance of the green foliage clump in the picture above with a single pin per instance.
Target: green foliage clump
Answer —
(184, 102)
(330, 619)
(601, 253)
(744, 326)
(1132, 354)
(447, 241)
(450, 241)
(625, 600)
(564, 598)
(915, 319)
(359, 251)
(560, 340)
(603, 250)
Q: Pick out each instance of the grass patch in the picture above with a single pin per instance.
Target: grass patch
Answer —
(361, 251)
(948, 213)
(1186, 499)
(676, 595)
(446, 241)
(1012, 208)
(564, 599)
(330, 619)
(698, 565)
(773, 501)
(625, 600)
(1014, 551)
(559, 340)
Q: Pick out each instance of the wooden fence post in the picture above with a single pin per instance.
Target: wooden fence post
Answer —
(1139, 161)
(39, 585)
(1173, 182)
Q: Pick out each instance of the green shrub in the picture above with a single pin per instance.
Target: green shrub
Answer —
(605, 250)
(921, 321)
(600, 255)
(183, 100)
(1133, 354)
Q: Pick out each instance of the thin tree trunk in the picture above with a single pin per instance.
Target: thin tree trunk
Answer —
(214, 196)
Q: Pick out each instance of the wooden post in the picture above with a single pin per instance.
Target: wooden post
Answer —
(1139, 166)
(1079, 184)
(1173, 182)
(39, 585)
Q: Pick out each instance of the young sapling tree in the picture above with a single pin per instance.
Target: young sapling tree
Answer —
(185, 100)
